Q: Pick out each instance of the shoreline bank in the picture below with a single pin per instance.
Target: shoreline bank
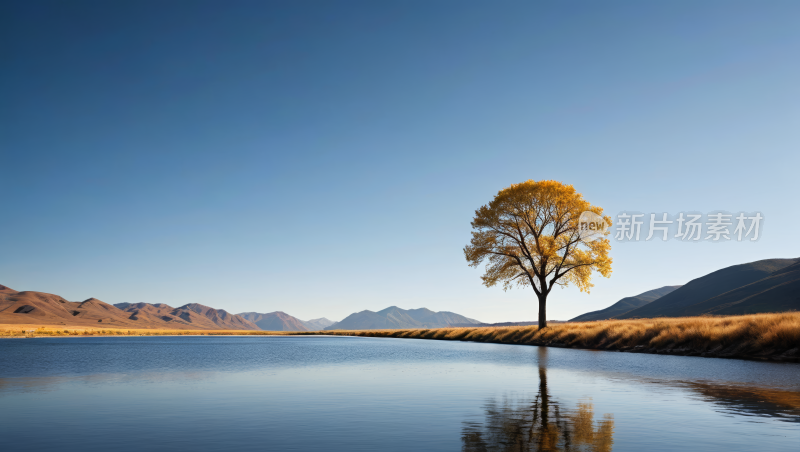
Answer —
(760, 337)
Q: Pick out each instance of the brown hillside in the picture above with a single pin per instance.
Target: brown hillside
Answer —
(35, 304)
(167, 317)
(47, 309)
(221, 318)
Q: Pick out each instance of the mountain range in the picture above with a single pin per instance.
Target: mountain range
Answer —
(281, 321)
(394, 318)
(30, 307)
(770, 285)
(39, 308)
(317, 324)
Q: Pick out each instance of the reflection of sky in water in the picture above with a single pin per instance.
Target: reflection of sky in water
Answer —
(368, 394)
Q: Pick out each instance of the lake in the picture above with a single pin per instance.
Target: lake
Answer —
(365, 394)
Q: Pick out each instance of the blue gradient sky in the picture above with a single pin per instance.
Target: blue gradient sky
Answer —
(322, 158)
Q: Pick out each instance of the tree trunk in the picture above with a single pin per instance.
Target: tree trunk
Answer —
(542, 311)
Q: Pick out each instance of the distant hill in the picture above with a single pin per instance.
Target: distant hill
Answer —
(160, 314)
(190, 315)
(317, 324)
(780, 291)
(275, 321)
(625, 305)
(41, 308)
(682, 301)
(395, 318)
(44, 308)
(220, 317)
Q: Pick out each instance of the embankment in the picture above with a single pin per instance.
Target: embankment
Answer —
(767, 337)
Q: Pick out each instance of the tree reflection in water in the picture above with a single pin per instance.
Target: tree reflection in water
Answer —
(540, 424)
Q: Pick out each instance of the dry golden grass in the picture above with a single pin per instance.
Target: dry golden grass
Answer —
(746, 335)
(748, 394)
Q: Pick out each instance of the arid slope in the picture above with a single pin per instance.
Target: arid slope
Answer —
(41, 308)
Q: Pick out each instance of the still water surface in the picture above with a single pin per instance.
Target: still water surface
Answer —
(351, 394)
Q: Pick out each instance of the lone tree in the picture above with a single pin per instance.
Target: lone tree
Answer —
(530, 235)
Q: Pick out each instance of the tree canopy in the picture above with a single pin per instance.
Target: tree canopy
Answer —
(530, 235)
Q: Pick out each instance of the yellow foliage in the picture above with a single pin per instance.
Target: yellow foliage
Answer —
(529, 235)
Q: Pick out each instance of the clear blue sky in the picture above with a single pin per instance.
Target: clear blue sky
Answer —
(326, 157)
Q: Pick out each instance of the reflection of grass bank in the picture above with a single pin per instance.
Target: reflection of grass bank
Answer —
(756, 336)
(749, 399)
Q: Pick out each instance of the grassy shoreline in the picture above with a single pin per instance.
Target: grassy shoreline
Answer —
(768, 337)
